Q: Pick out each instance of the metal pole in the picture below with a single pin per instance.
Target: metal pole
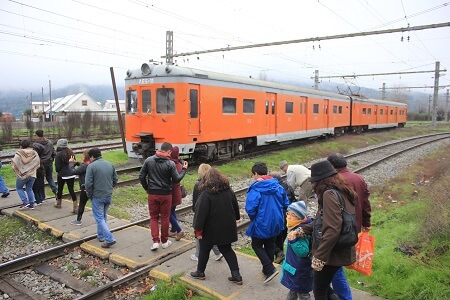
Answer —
(119, 116)
(31, 104)
(435, 94)
(316, 79)
(43, 111)
(50, 100)
(446, 107)
(383, 92)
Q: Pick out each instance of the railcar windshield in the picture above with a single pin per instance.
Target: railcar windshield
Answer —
(165, 101)
(131, 101)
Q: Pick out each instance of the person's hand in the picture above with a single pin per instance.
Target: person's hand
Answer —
(317, 264)
(185, 165)
(199, 237)
(72, 159)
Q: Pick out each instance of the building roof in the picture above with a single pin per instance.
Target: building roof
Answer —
(69, 103)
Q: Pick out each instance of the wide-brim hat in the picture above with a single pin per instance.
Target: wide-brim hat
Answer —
(322, 170)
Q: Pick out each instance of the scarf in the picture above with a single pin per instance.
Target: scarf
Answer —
(291, 223)
(25, 163)
(163, 154)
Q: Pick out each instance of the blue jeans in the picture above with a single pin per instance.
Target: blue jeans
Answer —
(3, 188)
(265, 250)
(175, 227)
(49, 176)
(100, 209)
(340, 285)
(28, 183)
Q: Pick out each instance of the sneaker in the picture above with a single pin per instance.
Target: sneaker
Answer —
(304, 296)
(100, 240)
(194, 257)
(30, 206)
(166, 244)
(154, 247)
(179, 235)
(218, 257)
(279, 258)
(198, 275)
(23, 206)
(5, 195)
(271, 276)
(76, 222)
(108, 244)
(172, 233)
(39, 204)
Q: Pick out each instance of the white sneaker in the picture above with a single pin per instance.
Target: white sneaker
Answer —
(154, 247)
(166, 244)
(193, 257)
(218, 257)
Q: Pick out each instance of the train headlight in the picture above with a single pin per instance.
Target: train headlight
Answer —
(145, 69)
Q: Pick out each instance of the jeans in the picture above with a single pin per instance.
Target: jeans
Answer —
(39, 194)
(159, 207)
(100, 210)
(49, 176)
(265, 250)
(174, 221)
(340, 285)
(322, 280)
(3, 188)
(226, 250)
(28, 183)
(83, 200)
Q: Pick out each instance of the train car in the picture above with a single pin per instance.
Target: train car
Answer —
(210, 115)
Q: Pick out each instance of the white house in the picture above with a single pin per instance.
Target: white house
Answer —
(110, 105)
(39, 107)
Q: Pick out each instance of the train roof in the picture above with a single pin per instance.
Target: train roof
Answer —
(176, 71)
(381, 102)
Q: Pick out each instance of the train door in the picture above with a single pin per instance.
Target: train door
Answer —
(326, 114)
(194, 109)
(271, 113)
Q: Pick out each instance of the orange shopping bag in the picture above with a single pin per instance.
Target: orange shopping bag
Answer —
(364, 254)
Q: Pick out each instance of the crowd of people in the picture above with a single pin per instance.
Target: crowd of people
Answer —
(281, 229)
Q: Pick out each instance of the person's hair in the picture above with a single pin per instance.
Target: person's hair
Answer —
(202, 169)
(24, 144)
(166, 146)
(275, 174)
(337, 160)
(260, 168)
(214, 182)
(86, 155)
(39, 133)
(66, 154)
(95, 153)
(337, 182)
(175, 153)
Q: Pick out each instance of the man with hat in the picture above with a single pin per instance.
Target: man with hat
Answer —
(297, 176)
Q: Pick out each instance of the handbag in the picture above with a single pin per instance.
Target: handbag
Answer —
(364, 254)
(183, 191)
(349, 231)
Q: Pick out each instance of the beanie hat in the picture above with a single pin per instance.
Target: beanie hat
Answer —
(298, 208)
(337, 160)
(322, 170)
(61, 143)
(282, 164)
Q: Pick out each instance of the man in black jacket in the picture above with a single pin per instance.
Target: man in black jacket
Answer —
(157, 175)
(46, 152)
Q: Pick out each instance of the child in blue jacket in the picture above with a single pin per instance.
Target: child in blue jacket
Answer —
(297, 274)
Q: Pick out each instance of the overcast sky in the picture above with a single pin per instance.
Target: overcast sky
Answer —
(76, 41)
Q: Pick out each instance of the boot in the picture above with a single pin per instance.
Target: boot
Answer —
(235, 277)
(75, 207)
(58, 203)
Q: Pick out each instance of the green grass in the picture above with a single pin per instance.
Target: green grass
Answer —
(173, 290)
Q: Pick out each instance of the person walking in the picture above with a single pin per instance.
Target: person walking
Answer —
(297, 274)
(39, 185)
(101, 178)
(175, 230)
(81, 172)
(327, 258)
(63, 154)
(44, 147)
(297, 176)
(25, 163)
(202, 169)
(3, 188)
(363, 214)
(265, 205)
(157, 175)
(216, 211)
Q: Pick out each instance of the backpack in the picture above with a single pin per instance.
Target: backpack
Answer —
(349, 231)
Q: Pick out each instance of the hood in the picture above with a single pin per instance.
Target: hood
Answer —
(268, 186)
(42, 140)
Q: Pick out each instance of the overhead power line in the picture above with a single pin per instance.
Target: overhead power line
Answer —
(313, 39)
(380, 74)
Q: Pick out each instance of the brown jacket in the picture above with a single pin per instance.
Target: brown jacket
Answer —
(331, 229)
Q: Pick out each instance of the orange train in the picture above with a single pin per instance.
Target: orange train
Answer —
(211, 115)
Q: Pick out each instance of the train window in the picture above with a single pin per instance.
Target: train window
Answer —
(273, 107)
(289, 107)
(369, 111)
(146, 101)
(193, 97)
(364, 111)
(381, 111)
(249, 106)
(301, 108)
(131, 101)
(335, 109)
(315, 108)
(304, 108)
(165, 101)
(267, 107)
(340, 110)
(229, 105)
(392, 112)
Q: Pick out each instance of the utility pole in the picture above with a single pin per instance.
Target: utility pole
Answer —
(50, 95)
(316, 79)
(383, 92)
(446, 107)
(43, 112)
(429, 108)
(169, 47)
(31, 104)
(435, 94)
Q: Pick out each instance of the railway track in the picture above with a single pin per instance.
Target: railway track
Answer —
(377, 155)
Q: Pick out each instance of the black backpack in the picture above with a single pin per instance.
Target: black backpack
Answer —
(349, 232)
